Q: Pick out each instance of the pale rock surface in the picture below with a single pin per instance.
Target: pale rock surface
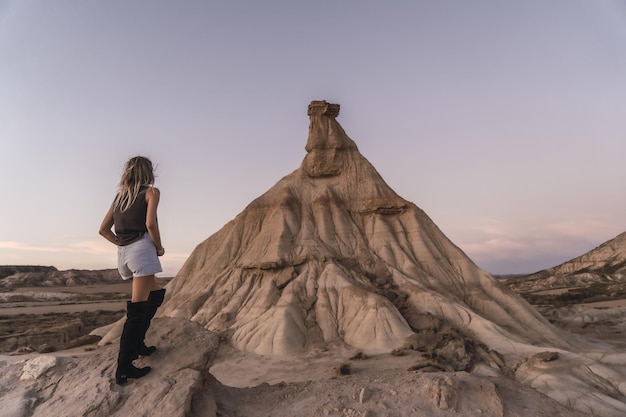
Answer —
(568, 379)
(36, 367)
(391, 393)
(598, 323)
(85, 386)
(180, 385)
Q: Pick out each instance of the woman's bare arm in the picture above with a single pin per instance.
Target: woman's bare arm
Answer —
(107, 224)
(153, 196)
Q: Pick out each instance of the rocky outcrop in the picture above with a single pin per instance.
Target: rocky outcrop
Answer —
(180, 385)
(328, 146)
(85, 387)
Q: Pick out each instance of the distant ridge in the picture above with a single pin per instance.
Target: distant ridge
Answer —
(6, 270)
(13, 276)
(597, 275)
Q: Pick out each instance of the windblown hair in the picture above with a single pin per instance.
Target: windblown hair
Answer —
(138, 171)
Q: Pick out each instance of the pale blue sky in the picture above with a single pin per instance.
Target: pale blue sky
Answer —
(505, 121)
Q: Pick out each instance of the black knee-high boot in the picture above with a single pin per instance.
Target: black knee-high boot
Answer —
(155, 299)
(133, 326)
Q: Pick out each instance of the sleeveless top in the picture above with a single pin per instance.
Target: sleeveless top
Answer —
(130, 225)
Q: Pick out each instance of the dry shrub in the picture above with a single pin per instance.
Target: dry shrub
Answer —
(397, 352)
(359, 356)
(343, 369)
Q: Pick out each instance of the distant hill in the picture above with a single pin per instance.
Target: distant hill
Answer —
(598, 275)
(14, 276)
(8, 270)
(508, 276)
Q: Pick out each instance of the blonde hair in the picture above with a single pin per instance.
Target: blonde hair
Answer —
(138, 171)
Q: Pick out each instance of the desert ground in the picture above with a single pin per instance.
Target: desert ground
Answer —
(58, 321)
(45, 319)
(48, 318)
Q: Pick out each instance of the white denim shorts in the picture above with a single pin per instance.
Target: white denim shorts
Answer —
(139, 259)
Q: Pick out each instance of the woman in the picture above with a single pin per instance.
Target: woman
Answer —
(134, 214)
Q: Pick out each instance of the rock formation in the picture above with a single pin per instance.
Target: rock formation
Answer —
(332, 257)
(331, 254)
(598, 275)
(84, 387)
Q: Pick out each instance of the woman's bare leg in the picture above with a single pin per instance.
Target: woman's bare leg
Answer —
(142, 286)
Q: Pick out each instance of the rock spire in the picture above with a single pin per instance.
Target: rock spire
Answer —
(328, 143)
(331, 255)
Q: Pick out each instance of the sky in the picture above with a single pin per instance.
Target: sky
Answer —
(504, 121)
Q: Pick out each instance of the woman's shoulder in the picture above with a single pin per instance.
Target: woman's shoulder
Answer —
(152, 192)
(148, 188)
